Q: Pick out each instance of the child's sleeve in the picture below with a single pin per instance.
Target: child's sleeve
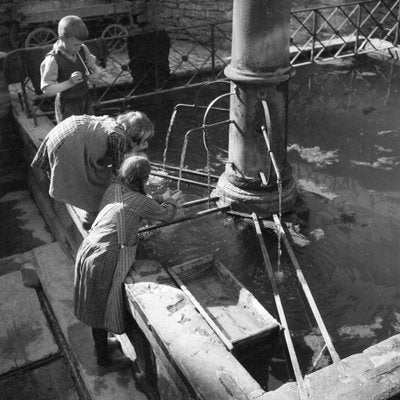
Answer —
(48, 72)
(116, 145)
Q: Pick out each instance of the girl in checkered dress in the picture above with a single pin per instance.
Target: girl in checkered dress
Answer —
(82, 153)
(107, 254)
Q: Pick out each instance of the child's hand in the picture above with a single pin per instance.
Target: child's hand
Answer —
(76, 77)
(94, 77)
(177, 196)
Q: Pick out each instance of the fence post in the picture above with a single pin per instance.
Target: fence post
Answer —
(396, 38)
(358, 29)
(213, 50)
(314, 34)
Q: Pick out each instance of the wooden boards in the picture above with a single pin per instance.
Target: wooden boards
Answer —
(220, 297)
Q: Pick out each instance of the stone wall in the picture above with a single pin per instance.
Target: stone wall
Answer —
(167, 14)
(95, 25)
(178, 13)
(4, 28)
(195, 15)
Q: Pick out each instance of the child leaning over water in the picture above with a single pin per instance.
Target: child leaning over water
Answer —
(66, 69)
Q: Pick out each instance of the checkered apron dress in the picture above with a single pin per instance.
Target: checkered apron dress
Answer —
(114, 315)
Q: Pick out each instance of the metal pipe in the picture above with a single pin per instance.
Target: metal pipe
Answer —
(185, 218)
(300, 276)
(271, 155)
(176, 178)
(281, 312)
(149, 95)
(186, 171)
(184, 146)
(199, 201)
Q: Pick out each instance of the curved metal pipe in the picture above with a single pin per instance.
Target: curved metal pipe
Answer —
(209, 84)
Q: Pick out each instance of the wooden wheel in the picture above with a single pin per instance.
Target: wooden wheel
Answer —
(40, 37)
(116, 36)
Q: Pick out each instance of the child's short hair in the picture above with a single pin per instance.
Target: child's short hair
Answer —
(136, 124)
(72, 26)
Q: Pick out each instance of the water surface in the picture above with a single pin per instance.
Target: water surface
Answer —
(344, 147)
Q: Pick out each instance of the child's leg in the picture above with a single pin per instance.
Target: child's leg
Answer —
(106, 364)
(100, 344)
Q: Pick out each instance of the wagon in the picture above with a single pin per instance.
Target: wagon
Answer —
(34, 23)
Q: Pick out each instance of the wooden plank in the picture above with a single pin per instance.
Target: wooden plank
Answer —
(25, 336)
(231, 310)
(263, 322)
(201, 310)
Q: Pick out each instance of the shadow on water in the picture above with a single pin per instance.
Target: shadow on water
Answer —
(344, 147)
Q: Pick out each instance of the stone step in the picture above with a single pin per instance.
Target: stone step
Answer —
(56, 273)
(25, 336)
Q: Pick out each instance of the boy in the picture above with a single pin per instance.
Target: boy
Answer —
(66, 69)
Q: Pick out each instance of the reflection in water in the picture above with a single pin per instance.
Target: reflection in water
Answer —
(344, 147)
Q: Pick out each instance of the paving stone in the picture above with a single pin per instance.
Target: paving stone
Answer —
(49, 382)
(25, 336)
(56, 273)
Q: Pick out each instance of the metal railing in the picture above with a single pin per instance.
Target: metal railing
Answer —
(342, 30)
(200, 53)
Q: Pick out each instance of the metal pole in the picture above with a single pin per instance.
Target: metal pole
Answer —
(314, 34)
(176, 178)
(396, 39)
(335, 357)
(185, 218)
(199, 201)
(213, 51)
(358, 29)
(282, 316)
(184, 170)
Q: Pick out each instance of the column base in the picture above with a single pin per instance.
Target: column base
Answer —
(263, 202)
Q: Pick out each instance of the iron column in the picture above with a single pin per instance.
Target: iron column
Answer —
(259, 70)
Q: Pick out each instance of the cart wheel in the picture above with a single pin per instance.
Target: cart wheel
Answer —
(117, 37)
(40, 37)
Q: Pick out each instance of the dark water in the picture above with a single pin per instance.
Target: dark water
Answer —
(344, 147)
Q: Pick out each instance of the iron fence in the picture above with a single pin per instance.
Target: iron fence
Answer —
(343, 30)
(164, 61)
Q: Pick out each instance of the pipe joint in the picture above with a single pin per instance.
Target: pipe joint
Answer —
(240, 75)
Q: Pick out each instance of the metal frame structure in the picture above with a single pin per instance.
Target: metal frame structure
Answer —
(318, 34)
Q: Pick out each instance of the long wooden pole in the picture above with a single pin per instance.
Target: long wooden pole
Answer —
(306, 289)
(281, 313)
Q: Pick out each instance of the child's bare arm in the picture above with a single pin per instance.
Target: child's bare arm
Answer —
(52, 90)
(49, 72)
